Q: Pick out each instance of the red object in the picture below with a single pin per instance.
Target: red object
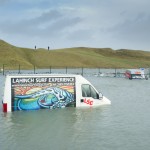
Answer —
(128, 75)
(88, 101)
(4, 107)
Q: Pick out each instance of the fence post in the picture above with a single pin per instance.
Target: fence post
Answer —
(34, 69)
(99, 70)
(82, 71)
(50, 69)
(3, 69)
(115, 72)
(66, 70)
(19, 69)
(149, 72)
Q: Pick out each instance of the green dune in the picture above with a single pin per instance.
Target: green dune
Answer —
(12, 57)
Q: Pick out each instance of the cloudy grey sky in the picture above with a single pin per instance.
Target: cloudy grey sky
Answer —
(76, 23)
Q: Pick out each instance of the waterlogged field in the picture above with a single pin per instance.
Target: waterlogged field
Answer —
(123, 125)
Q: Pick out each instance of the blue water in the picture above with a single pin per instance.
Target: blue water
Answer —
(123, 125)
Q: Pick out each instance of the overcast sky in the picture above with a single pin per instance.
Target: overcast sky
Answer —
(76, 23)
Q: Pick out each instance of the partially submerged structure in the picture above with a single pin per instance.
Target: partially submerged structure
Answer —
(135, 74)
(41, 91)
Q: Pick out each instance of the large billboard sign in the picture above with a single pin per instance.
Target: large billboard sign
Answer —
(31, 93)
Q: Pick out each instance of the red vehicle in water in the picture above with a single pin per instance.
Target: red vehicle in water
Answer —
(135, 74)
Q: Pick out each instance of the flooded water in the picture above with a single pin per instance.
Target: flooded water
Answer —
(123, 125)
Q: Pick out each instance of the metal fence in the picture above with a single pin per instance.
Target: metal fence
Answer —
(102, 72)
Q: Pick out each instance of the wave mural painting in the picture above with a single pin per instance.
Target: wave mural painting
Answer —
(42, 93)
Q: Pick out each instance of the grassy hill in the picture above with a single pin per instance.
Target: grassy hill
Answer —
(13, 56)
